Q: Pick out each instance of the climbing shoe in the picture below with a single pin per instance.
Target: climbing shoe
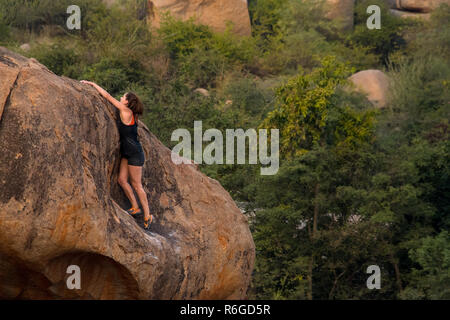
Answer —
(148, 222)
(134, 212)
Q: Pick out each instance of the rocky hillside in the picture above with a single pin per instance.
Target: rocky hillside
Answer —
(214, 13)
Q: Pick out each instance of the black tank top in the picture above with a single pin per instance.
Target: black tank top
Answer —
(129, 141)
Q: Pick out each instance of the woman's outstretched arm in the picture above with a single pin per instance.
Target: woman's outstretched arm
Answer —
(105, 94)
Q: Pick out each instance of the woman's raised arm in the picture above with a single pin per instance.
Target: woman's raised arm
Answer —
(105, 94)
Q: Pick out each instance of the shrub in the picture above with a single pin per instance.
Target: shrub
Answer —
(115, 74)
(382, 41)
(420, 92)
(264, 16)
(58, 58)
(34, 14)
(201, 56)
(4, 29)
(248, 97)
(116, 33)
(183, 37)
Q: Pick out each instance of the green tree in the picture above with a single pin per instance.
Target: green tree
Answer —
(431, 275)
(308, 113)
(317, 132)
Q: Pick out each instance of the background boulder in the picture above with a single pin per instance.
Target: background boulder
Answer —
(416, 5)
(214, 13)
(373, 83)
(341, 11)
(414, 8)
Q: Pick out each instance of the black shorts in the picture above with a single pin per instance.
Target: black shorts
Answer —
(136, 159)
(133, 152)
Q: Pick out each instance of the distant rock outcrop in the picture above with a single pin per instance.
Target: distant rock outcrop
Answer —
(25, 47)
(416, 5)
(341, 11)
(214, 13)
(61, 205)
(414, 8)
(373, 83)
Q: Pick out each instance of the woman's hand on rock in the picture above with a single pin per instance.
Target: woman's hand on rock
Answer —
(87, 82)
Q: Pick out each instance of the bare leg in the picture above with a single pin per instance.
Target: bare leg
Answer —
(123, 181)
(136, 182)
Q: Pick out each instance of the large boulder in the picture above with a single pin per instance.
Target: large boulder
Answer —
(373, 83)
(416, 5)
(341, 11)
(61, 205)
(214, 13)
(414, 8)
(410, 14)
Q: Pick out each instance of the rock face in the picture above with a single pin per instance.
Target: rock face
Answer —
(416, 5)
(414, 8)
(60, 203)
(373, 83)
(25, 47)
(214, 13)
(341, 11)
(409, 14)
(202, 91)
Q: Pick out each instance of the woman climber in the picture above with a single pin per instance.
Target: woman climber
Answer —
(133, 157)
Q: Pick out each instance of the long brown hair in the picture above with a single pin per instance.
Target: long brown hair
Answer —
(135, 104)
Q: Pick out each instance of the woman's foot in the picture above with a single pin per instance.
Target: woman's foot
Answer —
(147, 222)
(134, 211)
